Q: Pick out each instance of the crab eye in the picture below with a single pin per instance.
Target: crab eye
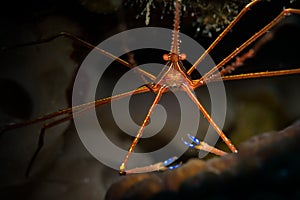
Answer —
(166, 57)
(182, 56)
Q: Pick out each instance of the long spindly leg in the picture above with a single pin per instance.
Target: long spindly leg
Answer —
(266, 28)
(71, 110)
(71, 113)
(161, 90)
(187, 89)
(239, 61)
(89, 46)
(224, 32)
(41, 140)
(75, 112)
(252, 75)
(261, 74)
(160, 166)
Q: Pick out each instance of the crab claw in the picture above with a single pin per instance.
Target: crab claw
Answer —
(201, 145)
(194, 139)
(188, 144)
(174, 166)
(160, 166)
(169, 161)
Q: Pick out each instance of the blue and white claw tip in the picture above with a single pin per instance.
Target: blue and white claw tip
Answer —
(187, 144)
(174, 166)
(194, 139)
(169, 161)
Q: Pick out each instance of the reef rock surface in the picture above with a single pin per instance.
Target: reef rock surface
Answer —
(267, 166)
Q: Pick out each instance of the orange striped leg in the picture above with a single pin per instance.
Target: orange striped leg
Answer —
(141, 130)
(209, 119)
